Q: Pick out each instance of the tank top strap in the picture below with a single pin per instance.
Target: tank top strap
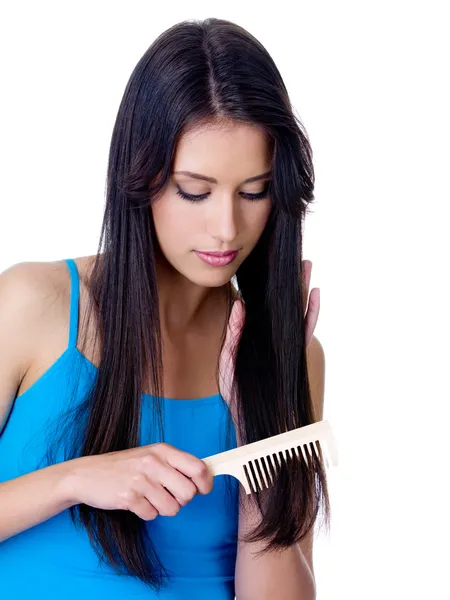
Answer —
(74, 302)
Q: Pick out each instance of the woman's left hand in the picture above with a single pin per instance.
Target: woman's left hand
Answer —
(312, 312)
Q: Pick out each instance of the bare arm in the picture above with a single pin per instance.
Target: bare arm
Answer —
(22, 306)
(132, 479)
(286, 575)
(35, 497)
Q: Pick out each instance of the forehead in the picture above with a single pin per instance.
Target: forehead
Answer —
(231, 149)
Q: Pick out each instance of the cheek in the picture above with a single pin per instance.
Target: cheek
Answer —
(173, 220)
(256, 216)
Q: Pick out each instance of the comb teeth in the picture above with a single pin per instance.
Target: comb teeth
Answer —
(259, 476)
(256, 465)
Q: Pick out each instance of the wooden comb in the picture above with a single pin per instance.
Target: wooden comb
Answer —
(254, 465)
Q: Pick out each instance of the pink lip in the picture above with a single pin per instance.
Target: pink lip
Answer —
(215, 253)
(217, 259)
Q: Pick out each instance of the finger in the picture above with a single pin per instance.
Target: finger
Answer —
(145, 486)
(312, 314)
(182, 488)
(307, 268)
(162, 500)
(193, 468)
(204, 480)
(142, 508)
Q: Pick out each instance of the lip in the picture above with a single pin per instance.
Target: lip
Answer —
(217, 259)
(217, 253)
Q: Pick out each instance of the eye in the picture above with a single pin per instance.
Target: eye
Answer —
(247, 196)
(259, 195)
(190, 197)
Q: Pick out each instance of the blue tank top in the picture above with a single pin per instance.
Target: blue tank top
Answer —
(55, 560)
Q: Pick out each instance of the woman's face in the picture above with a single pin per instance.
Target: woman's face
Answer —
(224, 217)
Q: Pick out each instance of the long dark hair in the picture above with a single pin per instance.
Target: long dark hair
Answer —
(198, 72)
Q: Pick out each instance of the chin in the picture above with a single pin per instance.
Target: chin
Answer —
(211, 280)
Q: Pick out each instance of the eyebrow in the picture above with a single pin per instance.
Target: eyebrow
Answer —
(212, 180)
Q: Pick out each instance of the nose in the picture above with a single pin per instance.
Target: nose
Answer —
(223, 218)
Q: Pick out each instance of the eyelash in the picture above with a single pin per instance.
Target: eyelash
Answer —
(251, 197)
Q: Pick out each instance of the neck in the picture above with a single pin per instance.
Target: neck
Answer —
(184, 305)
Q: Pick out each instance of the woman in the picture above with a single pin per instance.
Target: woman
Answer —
(120, 371)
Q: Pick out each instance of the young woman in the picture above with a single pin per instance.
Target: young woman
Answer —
(184, 336)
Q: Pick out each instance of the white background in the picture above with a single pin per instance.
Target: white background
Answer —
(370, 82)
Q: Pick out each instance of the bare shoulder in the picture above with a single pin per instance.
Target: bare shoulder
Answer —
(40, 290)
(30, 297)
(34, 321)
(26, 287)
(33, 286)
(35, 304)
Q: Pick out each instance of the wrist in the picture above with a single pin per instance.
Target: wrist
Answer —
(68, 483)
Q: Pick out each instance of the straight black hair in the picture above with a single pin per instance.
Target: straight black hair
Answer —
(200, 72)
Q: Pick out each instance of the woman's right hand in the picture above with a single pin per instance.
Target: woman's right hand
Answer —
(152, 480)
